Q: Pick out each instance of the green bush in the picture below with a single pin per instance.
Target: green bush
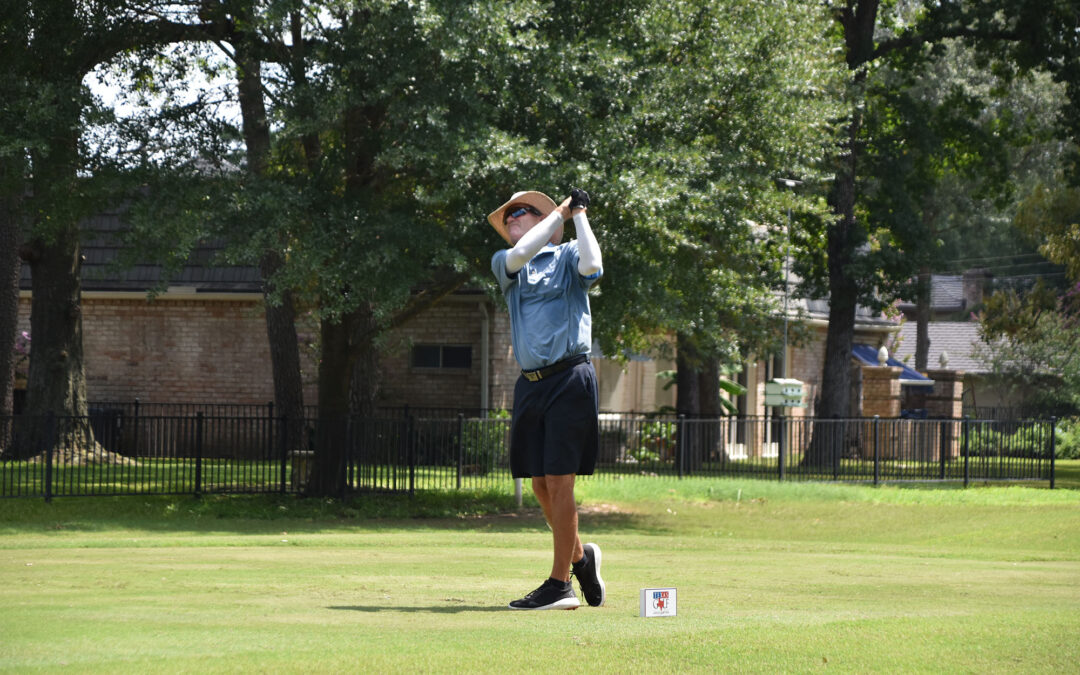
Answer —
(1067, 439)
(657, 442)
(485, 442)
(985, 441)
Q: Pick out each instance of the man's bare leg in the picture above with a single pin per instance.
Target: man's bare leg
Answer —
(556, 497)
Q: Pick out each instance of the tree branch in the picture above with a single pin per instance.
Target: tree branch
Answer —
(127, 36)
(916, 39)
(424, 300)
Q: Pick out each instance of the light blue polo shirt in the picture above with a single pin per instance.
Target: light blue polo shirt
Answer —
(548, 299)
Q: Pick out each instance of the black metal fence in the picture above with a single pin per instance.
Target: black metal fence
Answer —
(138, 453)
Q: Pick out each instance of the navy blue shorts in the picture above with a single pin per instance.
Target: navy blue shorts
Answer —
(555, 429)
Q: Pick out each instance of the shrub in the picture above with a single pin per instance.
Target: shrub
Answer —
(1067, 439)
(985, 441)
(485, 442)
(657, 442)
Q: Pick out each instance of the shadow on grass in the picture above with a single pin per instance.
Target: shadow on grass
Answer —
(270, 514)
(437, 609)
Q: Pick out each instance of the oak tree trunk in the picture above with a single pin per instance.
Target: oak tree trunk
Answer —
(922, 318)
(335, 376)
(280, 315)
(57, 378)
(10, 269)
(844, 237)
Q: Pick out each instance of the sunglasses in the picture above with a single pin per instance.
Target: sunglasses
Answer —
(518, 212)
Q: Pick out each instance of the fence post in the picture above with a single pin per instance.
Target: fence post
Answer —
(781, 446)
(198, 452)
(135, 431)
(837, 452)
(346, 465)
(877, 449)
(49, 437)
(269, 433)
(460, 447)
(1053, 448)
(410, 449)
(943, 450)
(778, 424)
(283, 444)
(681, 444)
(967, 457)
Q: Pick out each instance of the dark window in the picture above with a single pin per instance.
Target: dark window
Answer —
(425, 356)
(457, 357)
(442, 356)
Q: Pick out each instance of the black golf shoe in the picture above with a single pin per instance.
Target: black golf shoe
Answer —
(587, 571)
(552, 594)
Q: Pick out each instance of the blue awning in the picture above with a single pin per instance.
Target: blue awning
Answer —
(909, 377)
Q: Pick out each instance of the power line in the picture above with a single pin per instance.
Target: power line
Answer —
(1044, 275)
(998, 268)
(1000, 257)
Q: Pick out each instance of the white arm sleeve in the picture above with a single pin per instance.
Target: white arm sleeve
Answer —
(531, 242)
(589, 260)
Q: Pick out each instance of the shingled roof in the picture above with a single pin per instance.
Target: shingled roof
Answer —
(958, 338)
(101, 246)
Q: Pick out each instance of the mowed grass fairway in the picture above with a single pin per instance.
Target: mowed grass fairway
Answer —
(771, 577)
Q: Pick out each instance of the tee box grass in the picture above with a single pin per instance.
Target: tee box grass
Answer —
(771, 577)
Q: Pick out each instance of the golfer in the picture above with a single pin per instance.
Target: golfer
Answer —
(554, 430)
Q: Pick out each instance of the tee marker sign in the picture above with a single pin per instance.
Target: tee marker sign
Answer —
(658, 602)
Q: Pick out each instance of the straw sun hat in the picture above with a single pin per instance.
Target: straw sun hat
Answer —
(538, 200)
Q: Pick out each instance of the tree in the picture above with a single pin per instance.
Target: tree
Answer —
(387, 120)
(279, 306)
(424, 109)
(1030, 337)
(949, 148)
(387, 131)
(1025, 33)
(64, 188)
(715, 101)
(200, 175)
(1032, 347)
(547, 123)
(1051, 214)
(13, 141)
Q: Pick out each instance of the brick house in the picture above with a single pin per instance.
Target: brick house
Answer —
(806, 361)
(204, 340)
(955, 339)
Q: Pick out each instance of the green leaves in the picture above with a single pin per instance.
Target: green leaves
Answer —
(1051, 214)
(715, 101)
(1032, 347)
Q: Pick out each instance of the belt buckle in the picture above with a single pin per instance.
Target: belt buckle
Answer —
(532, 375)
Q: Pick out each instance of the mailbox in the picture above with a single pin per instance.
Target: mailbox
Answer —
(784, 393)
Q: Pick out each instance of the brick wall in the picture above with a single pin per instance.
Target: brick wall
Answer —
(806, 365)
(176, 351)
(504, 367)
(807, 362)
(457, 321)
(216, 351)
(881, 391)
(946, 398)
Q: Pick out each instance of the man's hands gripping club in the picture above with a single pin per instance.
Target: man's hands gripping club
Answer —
(530, 243)
(579, 199)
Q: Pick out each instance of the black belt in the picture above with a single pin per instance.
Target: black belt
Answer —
(548, 371)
